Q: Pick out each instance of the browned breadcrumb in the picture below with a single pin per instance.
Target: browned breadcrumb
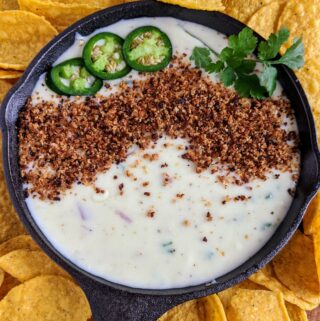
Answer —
(73, 140)
(151, 213)
(209, 217)
(151, 157)
(186, 223)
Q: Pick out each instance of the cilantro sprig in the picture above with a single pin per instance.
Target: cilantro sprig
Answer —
(236, 64)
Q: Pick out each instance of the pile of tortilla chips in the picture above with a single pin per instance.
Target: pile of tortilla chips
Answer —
(33, 288)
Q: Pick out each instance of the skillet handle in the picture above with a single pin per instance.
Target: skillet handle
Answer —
(109, 304)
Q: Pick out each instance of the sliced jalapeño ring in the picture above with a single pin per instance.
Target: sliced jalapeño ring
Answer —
(103, 56)
(147, 49)
(72, 78)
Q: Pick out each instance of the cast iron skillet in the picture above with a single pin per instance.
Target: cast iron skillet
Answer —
(110, 301)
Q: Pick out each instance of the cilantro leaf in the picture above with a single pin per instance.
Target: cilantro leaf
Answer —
(270, 48)
(215, 67)
(228, 76)
(268, 79)
(246, 66)
(226, 54)
(244, 43)
(201, 57)
(294, 56)
(249, 85)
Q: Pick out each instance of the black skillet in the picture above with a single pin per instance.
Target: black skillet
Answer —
(110, 301)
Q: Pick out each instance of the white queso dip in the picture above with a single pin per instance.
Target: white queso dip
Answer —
(152, 220)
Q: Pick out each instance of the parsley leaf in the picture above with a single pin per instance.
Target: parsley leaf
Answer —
(268, 79)
(294, 56)
(201, 57)
(269, 49)
(244, 43)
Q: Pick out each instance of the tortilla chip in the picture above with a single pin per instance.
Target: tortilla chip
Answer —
(257, 305)
(212, 5)
(243, 9)
(10, 74)
(316, 243)
(267, 278)
(9, 283)
(20, 29)
(62, 14)
(296, 313)
(27, 264)
(295, 267)
(1, 277)
(92, 3)
(49, 298)
(10, 225)
(198, 309)
(10, 5)
(309, 77)
(302, 19)
(5, 85)
(226, 295)
(265, 20)
(17, 243)
(311, 220)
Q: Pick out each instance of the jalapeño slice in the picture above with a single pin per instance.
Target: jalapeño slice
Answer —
(103, 56)
(147, 49)
(72, 78)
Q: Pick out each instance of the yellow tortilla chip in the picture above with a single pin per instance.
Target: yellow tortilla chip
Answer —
(17, 243)
(5, 85)
(212, 5)
(295, 267)
(309, 77)
(243, 9)
(22, 35)
(302, 19)
(198, 309)
(1, 277)
(10, 5)
(296, 313)
(49, 298)
(27, 264)
(226, 295)
(316, 243)
(267, 278)
(265, 20)
(61, 14)
(10, 225)
(92, 3)
(10, 74)
(257, 305)
(9, 283)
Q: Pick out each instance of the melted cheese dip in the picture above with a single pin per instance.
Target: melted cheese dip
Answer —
(160, 224)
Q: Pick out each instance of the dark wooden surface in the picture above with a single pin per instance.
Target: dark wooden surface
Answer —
(314, 315)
